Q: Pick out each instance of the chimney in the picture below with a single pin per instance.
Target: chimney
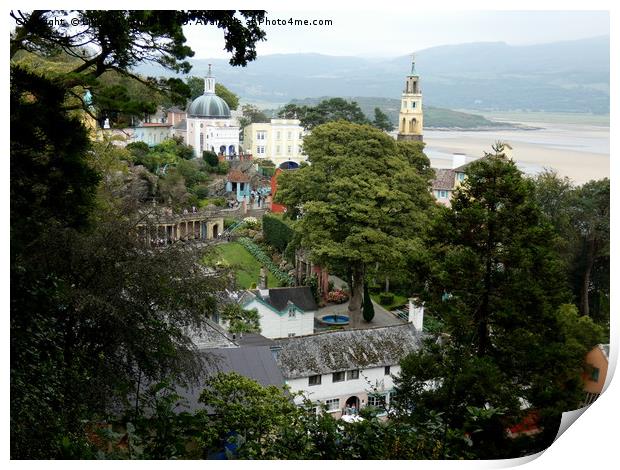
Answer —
(458, 159)
(262, 279)
(416, 314)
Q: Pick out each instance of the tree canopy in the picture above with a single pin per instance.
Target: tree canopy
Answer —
(360, 201)
(332, 109)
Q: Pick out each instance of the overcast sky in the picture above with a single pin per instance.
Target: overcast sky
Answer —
(392, 32)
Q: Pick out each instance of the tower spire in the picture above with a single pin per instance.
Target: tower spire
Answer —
(413, 72)
(209, 82)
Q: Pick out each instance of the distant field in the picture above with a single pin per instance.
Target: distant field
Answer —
(246, 268)
(551, 118)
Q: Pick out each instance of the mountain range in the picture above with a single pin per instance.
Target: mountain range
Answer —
(566, 76)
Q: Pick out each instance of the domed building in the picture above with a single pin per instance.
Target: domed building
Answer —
(209, 124)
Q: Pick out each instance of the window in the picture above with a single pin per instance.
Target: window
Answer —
(595, 374)
(338, 376)
(291, 312)
(460, 176)
(278, 135)
(386, 370)
(278, 149)
(300, 135)
(289, 135)
(353, 374)
(333, 404)
(260, 135)
(377, 401)
(413, 104)
(314, 380)
(441, 194)
(289, 150)
(290, 335)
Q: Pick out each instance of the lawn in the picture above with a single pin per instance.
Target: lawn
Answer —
(246, 268)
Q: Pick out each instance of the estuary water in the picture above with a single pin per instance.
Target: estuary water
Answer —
(579, 151)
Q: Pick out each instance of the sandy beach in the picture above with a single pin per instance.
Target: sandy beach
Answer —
(578, 151)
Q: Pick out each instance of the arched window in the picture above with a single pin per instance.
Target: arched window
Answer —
(404, 125)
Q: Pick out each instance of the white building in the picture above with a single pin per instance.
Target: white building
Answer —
(347, 370)
(284, 311)
(209, 125)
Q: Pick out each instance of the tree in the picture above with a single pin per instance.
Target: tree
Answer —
(252, 114)
(93, 313)
(359, 202)
(382, 121)
(499, 288)
(329, 110)
(210, 158)
(590, 218)
(369, 308)
(260, 421)
(241, 320)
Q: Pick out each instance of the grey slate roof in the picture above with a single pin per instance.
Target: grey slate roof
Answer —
(211, 336)
(256, 363)
(605, 348)
(444, 179)
(324, 353)
(280, 296)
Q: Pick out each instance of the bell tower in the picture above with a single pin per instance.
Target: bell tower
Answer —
(411, 117)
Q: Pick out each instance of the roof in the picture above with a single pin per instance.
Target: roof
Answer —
(209, 105)
(176, 109)
(238, 176)
(253, 339)
(256, 363)
(210, 336)
(324, 353)
(155, 124)
(279, 297)
(444, 179)
(182, 125)
(605, 349)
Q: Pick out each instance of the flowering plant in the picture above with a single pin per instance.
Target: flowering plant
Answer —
(337, 296)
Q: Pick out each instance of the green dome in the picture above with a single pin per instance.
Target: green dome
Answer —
(209, 105)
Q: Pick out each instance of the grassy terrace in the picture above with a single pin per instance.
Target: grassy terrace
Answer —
(399, 300)
(247, 269)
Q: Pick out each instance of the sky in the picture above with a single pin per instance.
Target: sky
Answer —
(393, 32)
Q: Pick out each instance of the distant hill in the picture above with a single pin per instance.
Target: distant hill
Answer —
(433, 117)
(567, 76)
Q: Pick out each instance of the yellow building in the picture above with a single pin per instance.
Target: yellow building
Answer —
(411, 118)
(280, 141)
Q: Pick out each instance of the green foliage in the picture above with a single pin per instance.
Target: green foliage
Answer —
(382, 121)
(259, 418)
(278, 233)
(362, 201)
(386, 298)
(368, 309)
(333, 109)
(210, 158)
(251, 114)
(495, 257)
(240, 320)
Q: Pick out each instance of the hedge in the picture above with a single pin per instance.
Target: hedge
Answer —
(277, 232)
(266, 261)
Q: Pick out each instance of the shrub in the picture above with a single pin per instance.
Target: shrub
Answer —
(277, 232)
(201, 191)
(368, 311)
(386, 298)
(210, 158)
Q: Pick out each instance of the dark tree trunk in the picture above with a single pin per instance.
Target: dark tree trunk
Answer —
(584, 299)
(357, 295)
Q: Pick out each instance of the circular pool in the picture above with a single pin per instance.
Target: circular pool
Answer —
(335, 320)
